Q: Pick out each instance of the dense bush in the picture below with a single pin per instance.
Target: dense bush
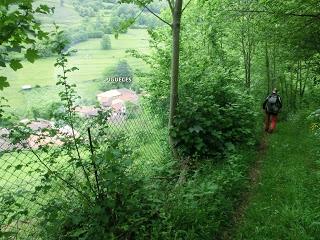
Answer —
(119, 14)
(106, 42)
(213, 119)
(73, 36)
(123, 69)
(99, 24)
(53, 110)
(148, 20)
(76, 35)
(88, 29)
(115, 23)
(45, 46)
(126, 11)
(93, 7)
(44, 49)
(124, 210)
(85, 11)
(314, 120)
(79, 36)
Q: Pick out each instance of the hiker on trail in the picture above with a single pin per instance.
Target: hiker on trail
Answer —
(272, 106)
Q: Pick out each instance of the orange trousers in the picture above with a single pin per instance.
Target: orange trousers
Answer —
(270, 122)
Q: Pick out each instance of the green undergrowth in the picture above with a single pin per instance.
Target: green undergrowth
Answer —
(199, 208)
(285, 203)
(202, 207)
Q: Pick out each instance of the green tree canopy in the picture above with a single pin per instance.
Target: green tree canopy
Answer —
(123, 69)
(106, 42)
(19, 30)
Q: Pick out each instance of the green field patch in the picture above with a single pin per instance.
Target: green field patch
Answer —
(92, 62)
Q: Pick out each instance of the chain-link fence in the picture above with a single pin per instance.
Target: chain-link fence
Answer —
(60, 151)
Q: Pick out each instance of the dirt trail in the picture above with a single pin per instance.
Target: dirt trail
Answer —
(254, 177)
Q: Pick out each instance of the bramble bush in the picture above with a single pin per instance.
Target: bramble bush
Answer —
(123, 209)
(213, 120)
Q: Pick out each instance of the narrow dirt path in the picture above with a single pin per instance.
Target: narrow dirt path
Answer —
(284, 202)
(254, 176)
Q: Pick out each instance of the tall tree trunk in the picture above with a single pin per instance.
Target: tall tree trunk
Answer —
(296, 90)
(300, 76)
(286, 92)
(250, 51)
(247, 44)
(245, 57)
(267, 68)
(281, 82)
(174, 96)
(305, 80)
(249, 70)
(291, 90)
(274, 74)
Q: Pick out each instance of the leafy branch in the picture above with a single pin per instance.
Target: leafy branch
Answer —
(68, 96)
(19, 30)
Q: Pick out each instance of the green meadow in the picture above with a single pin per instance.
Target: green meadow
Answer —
(91, 60)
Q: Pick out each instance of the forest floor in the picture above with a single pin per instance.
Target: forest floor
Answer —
(283, 201)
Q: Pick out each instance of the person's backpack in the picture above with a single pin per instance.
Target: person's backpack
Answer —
(272, 104)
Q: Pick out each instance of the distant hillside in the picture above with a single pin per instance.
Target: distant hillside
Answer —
(65, 16)
(73, 14)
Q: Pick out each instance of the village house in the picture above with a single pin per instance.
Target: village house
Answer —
(115, 100)
(106, 98)
(40, 136)
(5, 143)
(37, 125)
(87, 111)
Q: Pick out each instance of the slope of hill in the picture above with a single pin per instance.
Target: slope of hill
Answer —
(64, 16)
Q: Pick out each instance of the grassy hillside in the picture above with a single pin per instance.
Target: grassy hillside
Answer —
(286, 202)
(90, 59)
(63, 16)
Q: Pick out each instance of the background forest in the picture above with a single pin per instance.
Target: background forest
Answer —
(189, 159)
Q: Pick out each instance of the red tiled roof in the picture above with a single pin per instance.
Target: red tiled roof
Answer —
(124, 94)
(87, 111)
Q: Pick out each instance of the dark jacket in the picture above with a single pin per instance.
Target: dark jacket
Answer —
(279, 102)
